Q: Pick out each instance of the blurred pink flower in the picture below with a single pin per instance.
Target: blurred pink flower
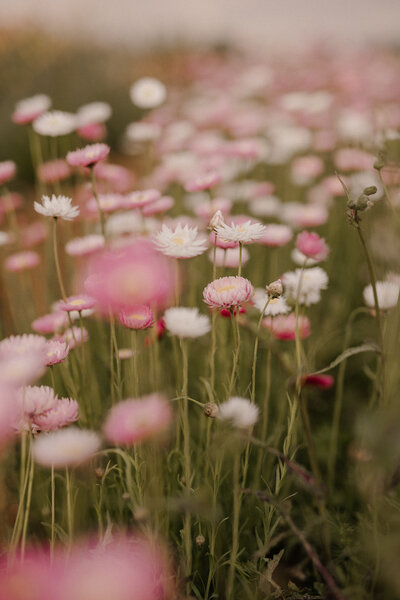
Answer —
(88, 156)
(54, 170)
(138, 317)
(29, 109)
(203, 182)
(50, 323)
(21, 261)
(8, 169)
(64, 412)
(283, 327)
(137, 419)
(312, 245)
(81, 302)
(56, 352)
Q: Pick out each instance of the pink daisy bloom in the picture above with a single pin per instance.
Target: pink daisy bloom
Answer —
(305, 169)
(26, 344)
(78, 303)
(29, 109)
(221, 242)
(305, 215)
(229, 258)
(34, 234)
(54, 170)
(92, 132)
(141, 198)
(158, 206)
(56, 352)
(312, 245)
(33, 401)
(8, 169)
(17, 370)
(64, 412)
(138, 317)
(135, 420)
(50, 323)
(276, 235)
(88, 156)
(22, 261)
(283, 327)
(128, 276)
(8, 417)
(108, 203)
(203, 182)
(74, 336)
(227, 292)
(120, 178)
(85, 246)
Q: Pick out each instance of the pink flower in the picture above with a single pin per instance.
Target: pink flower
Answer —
(34, 234)
(20, 369)
(88, 156)
(29, 109)
(85, 246)
(54, 170)
(319, 381)
(283, 327)
(8, 414)
(304, 215)
(64, 412)
(78, 303)
(56, 352)
(305, 168)
(276, 235)
(141, 198)
(108, 203)
(227, 292)
(119, 178)
(51, 323)
(21, 261)
(229, 258)
(158, 206)
(21, 345)
(312, 245)
(353, 159)
(138, 317)
(203, 182)
(75, 336)
(8, 169)
(137, 419)
(33, 401)
(222, 243)
(128, 276)
(92, 132)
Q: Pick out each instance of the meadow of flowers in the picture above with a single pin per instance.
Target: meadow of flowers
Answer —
(199, 338)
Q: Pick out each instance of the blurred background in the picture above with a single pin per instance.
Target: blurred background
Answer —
(79, 51)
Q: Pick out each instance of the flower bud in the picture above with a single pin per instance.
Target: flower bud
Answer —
(362, 202)
(371, 189)
(211, 410)
(274, 289)
(216, 220)
(200, 539)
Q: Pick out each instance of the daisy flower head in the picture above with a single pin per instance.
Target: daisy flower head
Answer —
(239, 412)
(88, 156)
(148, 92)
(55, 352)
(182, 242)
(186, 322)
(203, 182)
(137, 419)
(21, 261)
(244, 233)
(305, 285)
(312, 245)
(78, 303)
(50, 323)
(227, 292)
(57, 207)
(229, 258)
(276, 306)
(283, 327)
(55, 123)
(138, 317)
(159, 206)
(64, 412)
(93, 113)
(35, 400)
(64, 448)
(304, 215)
(85, 246)
(387, 292)
(276, 235)
(74, 336)
(141, 198)
(23, 345)
(8, 169)
(29, 109)
(53, 170)
(17, 370)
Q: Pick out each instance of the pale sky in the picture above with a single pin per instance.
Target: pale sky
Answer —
(255, 22)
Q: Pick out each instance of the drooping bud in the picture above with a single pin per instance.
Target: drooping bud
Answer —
(362, 202)
(370, 190)
(274, 289)
(211, 410)
(216, 220)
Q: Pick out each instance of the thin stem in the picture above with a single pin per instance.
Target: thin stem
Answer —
(253, 377)
(53, 514)
(28, 501)
(235, 526)
(235, 361)
(58, 269)
(187, 536)
(70, 521)
(213, 351)
(135, 363)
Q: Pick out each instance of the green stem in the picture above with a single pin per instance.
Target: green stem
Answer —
(28, 501)
(57, 262)
(235, 527)
(187, 536)
(235, 361)
(70, 519)
(253, 377)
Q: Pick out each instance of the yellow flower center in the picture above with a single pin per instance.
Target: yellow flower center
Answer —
(178, 241)
(137, 317)
(225, 288)
(77, 302)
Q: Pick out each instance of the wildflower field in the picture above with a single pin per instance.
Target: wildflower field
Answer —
(199, 327)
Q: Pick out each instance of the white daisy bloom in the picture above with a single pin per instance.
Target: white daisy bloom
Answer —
(66, 447)
(94, 112)
(244, 232)
(54, 123)
(181, 242)
(148, 92)
(240, 412)
(35, 104)
(276, 306)
(186, 322)
(57, 206)
(387, 292)
(142, 132)
(305, 285)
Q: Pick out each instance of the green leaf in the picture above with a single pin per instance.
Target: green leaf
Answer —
(346, 354)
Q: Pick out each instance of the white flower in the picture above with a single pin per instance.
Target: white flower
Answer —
(276, 306)
(33, 105)
(244, 232)
(266, 206)
(95, 112)
(387, 292)
(57, 206)
(181, 242)
(148, 92)
(186, 322)
(66, 447)
(240, 412)
(54, 123)
(5, 238)
(142, 132)
(305, 285)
